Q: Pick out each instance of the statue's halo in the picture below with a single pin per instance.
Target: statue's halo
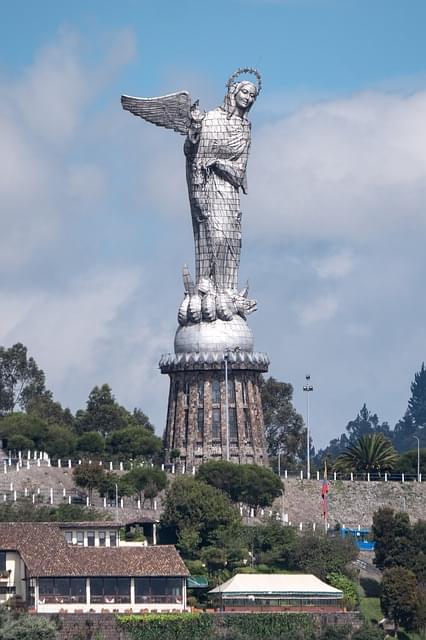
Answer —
(240, 72)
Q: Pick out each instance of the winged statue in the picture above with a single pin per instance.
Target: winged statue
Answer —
(216, 148)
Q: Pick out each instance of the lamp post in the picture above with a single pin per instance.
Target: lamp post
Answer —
(308, 387)
(225, 357)
(418, 458)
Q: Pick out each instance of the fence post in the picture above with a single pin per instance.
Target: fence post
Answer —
(59, 463)
(121, 466)
(111, 466)
(402, 477)
(352, 476)
(301, 474)
(386, 476)
(317, 475)
(121, 503)
(69, 463)
(51, 495)
(64, 492)
(420, 477)
(173, 468)
(139, 503)
(368, 477)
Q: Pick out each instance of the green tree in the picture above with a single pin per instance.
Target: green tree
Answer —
(249, 483)
(146, 482)
(404, 432)
(407, 462)
(135, 442)
(417, 402)
(47, 409)
(89, 477)
(372, 452)
(91, 443)
(349, 588)
(259, 486)
(284, 426)
(393, 538)
(26, 627)
(59, 441)
(223, 475)
(102, 413)
(321, 555)
(21, 380)
(16, 426)
(272, 544)
(191, 504)
(366, 423)
(400, 596)
(139, 419)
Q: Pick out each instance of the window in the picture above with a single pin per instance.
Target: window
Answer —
(232, 417)
(109, 590)
(244, 391)
(152, 590)
(102, 537)
(68, 536)
(216, 424)
(200, 392)
(2, 560)
(247, 425)
(231, 391)
(90, 538)
(215, 392)
(200, 423)
(80, 538)
(186, 425)
(62, 590)
(112, 539)
(186, 393)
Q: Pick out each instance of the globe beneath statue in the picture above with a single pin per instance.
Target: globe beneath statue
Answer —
(217, 336)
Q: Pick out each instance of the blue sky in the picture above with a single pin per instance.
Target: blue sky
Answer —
(93, 210)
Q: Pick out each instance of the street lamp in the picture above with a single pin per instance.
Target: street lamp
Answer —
(307, 387)
(418, 458)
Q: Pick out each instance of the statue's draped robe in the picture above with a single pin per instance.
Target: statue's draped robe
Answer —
(214, 195)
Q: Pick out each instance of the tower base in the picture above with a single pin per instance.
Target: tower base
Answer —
(196, 416)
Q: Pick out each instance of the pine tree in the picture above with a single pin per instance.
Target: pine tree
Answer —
(417, 402)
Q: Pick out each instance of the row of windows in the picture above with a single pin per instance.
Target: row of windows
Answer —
(282, 602)
(110, 590)
(216, 425)
(215, 385)
(77, 537)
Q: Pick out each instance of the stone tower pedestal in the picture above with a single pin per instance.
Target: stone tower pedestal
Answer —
(196, 417)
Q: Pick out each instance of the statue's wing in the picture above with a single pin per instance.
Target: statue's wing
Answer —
(171, 111)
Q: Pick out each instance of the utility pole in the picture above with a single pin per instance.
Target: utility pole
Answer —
(308, 388)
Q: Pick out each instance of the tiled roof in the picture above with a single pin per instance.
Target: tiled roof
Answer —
(45, 552)
(90, 524)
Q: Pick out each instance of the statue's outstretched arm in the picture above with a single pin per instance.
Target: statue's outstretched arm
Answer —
(172, 111)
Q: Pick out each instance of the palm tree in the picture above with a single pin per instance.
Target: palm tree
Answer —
(372, 452)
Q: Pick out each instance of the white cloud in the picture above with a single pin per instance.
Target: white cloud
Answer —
(335, 266)
(319, 309)
(347, 168)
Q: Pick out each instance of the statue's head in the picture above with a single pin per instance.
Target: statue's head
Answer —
(241, 95)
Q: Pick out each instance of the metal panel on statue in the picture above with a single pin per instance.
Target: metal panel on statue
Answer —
(207, 418)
